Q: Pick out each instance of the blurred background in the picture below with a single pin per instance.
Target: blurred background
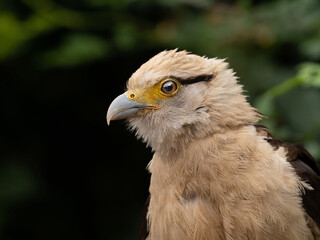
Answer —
(64, 174)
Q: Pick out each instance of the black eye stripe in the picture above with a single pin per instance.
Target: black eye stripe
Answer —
(194, 79)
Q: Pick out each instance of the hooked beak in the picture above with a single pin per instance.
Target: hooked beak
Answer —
(121, 107)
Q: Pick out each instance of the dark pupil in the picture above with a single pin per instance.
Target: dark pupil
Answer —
(168, 86)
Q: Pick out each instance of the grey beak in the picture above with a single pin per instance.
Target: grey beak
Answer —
(121, 107)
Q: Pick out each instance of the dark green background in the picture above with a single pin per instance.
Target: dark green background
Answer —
(64, 174)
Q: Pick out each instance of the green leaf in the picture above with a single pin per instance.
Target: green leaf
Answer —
(12, 34)
(309, 74)
(76, 49)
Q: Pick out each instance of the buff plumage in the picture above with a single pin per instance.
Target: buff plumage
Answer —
(215, 174)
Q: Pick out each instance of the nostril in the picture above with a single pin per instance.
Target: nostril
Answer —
(132, 95)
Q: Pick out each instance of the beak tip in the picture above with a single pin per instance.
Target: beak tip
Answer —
(108, 118)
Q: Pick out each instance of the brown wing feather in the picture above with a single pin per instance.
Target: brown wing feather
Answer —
(306, 168)
(144, 232)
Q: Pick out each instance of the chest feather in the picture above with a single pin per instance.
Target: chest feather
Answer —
(233, 186)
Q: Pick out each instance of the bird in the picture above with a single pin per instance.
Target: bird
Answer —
(216, 173)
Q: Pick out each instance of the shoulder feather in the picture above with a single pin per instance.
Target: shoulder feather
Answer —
(305, 167)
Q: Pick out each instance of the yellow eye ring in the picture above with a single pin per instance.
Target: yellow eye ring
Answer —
(169, 87)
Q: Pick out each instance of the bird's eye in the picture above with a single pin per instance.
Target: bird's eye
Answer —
(169, 87)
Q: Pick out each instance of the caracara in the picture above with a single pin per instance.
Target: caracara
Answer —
(215, 173)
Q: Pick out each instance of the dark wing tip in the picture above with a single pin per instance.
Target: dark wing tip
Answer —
(144, 232)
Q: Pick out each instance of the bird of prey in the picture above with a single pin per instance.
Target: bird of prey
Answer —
(215, 173)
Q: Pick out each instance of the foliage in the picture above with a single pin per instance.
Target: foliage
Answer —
(308, 76)
(63, 61)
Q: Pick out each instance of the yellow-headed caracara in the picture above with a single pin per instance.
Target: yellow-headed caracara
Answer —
(215, 173)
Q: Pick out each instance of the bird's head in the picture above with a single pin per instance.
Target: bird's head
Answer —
(177, 96)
